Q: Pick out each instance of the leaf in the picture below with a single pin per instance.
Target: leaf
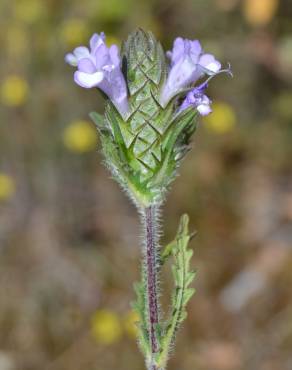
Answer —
(182, 292)
(97, 118)
(167, 252)
(139, 307)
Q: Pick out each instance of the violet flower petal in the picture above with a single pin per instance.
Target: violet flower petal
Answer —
(204, 109)
(86, 65)
(95, 41)
(210, 63)
(88, 80)
(71, 59)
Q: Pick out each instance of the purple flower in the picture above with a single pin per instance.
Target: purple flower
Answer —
(197, 99)
(100, 67)
(188, 63)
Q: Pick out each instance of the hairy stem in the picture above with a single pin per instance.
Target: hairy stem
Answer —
(151, 268)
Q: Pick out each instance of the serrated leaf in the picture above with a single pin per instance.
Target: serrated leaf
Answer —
(167, 252)
(182, 293)
(188, 293)
(190, 277)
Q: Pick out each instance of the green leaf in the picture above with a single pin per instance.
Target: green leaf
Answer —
(97, 118)
(167, 252)
(139, 307)
(182, 292)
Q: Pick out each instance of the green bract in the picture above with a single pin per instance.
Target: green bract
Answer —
(144, 148)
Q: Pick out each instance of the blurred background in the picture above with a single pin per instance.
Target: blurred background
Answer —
(69, 238)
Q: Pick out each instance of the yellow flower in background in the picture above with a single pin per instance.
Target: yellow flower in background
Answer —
(130, 323)
(80, 136)
(259, 12)
(14, 91)
(7, 187)
(106, 327)
(74, 32)
(222, 119)
(29, 11)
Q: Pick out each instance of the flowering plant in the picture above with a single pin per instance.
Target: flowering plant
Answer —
(151, 113)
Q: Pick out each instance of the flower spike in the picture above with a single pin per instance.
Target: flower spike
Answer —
(145, 132)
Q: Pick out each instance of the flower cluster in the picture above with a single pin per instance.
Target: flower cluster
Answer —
(100, 66)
